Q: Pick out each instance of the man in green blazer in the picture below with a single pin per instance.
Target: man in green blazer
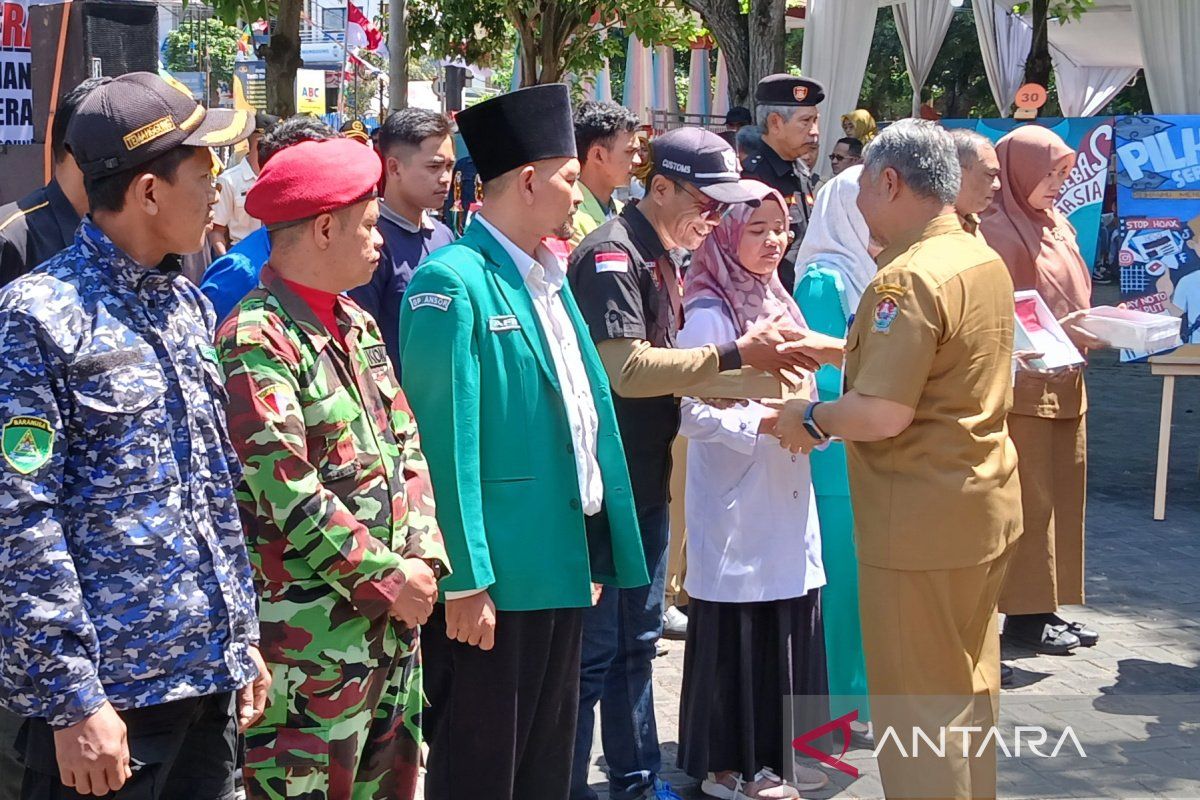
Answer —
(528, 468)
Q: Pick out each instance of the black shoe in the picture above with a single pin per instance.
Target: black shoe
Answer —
(1006, 676)
(1086, 636)
(1040, 633)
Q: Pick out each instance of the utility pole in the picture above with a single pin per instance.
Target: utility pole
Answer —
(398, 63)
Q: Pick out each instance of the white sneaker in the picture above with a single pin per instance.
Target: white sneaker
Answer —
(675, 624)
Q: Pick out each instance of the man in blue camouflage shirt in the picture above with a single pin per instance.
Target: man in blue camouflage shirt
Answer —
(127, 613)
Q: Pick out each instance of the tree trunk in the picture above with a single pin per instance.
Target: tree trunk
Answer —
(283, 59)
(766, 24)
(398, 47)
(731, 30)
(1037, 66)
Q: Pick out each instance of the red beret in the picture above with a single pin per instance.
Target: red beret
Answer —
(312, 178)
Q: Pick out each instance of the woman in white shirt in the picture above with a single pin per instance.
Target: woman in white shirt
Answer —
(753, 549)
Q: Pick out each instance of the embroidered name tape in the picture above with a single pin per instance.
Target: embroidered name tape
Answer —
(439, 301)
(612, 262)
(505, 323)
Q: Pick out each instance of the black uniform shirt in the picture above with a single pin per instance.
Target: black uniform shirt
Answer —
(765, 165)
(33, 229)
(627, 287)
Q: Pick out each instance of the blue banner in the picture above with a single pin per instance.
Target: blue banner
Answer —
(1082, 196)
(1158, 203)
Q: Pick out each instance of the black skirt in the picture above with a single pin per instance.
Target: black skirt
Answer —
(754, 677)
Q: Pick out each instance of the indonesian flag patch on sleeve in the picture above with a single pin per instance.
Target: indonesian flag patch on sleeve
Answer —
(614, 261)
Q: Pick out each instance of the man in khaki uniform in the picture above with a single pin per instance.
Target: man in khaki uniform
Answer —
(932, 470)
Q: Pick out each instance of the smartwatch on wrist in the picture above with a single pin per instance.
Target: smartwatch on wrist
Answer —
(810, 424)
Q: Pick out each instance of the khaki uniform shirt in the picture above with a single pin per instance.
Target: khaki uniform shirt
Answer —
(934, 331)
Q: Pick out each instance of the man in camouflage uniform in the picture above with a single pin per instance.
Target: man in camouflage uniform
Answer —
(127, 616)
(341, 528)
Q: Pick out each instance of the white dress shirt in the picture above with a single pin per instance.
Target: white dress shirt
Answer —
(544, 278)
(230, 209)
(750, 507)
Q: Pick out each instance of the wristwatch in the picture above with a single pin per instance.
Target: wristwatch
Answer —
(810, 424)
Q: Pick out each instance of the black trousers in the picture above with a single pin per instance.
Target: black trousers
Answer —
(501, 724)
(182, 750)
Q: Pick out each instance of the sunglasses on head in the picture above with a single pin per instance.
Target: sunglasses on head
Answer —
(708, 208)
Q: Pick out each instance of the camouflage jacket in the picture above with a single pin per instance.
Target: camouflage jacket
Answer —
(123, 568)
(336, 492)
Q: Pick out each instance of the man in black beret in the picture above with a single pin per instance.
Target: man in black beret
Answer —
(518, 427)
(787, 114)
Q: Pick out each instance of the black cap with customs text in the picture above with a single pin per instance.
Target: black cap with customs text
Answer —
(137, 117)
(705, 160)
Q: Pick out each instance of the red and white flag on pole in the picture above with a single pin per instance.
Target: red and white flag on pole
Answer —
(362, 33)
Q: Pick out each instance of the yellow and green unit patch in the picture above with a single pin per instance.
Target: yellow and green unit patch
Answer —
(26, 443)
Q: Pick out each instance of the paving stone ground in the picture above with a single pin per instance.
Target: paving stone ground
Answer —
(1134, 699)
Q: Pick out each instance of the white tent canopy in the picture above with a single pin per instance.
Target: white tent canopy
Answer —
(1169, 31)
(922, 25)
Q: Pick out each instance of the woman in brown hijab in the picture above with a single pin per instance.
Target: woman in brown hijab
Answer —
(1047, 422)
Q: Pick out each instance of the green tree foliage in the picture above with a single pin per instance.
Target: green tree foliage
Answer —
(556, 37)
(200, 45)
(1042, 12)
(282, 52)
(957, 82)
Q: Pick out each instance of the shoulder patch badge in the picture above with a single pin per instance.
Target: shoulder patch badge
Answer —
(886, 311)
(276, 397)
(26, 443)
(439, 301)
(612, 262)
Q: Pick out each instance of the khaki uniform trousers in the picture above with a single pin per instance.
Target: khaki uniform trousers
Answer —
(1047, 564)
(677, 544)
(933, 660)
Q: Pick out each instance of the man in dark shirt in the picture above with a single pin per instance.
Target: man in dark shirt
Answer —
(788, 116)
(418, 157)
(628, 286)
(43, 222)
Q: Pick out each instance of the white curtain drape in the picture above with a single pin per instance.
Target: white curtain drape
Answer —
(639, 79)
(922, 25)
(1169, 31)
(665, 96)
(837, 42)
(720, 101)
(699, 99)
(1083, 91)
(1004, 39)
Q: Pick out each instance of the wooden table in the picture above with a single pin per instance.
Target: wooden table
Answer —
(1184, 361)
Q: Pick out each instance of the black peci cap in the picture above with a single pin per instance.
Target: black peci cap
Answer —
(139, 116)
(519, 128)
(789, 90)
(703, 159)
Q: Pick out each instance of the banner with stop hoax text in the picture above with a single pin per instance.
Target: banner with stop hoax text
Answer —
(1082, 196)
(16, 83)
(1158, 206)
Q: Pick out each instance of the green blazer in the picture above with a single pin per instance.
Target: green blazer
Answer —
(482, 383)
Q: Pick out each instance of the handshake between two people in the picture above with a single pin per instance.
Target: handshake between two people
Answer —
(779, 346)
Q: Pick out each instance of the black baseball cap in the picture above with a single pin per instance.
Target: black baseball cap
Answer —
(703, 159)
(264, 122)
(738, 115)
(137, 117)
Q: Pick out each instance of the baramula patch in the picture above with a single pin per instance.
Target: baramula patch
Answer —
(26, 443)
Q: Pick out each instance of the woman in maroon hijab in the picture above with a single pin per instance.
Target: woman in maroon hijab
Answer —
(1047, 422)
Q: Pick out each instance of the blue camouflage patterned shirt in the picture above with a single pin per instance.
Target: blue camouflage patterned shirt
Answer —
(123, 568)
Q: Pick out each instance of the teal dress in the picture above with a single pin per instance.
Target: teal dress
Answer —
(821, 295)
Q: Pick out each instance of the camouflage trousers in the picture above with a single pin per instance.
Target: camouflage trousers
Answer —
(338, 731)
